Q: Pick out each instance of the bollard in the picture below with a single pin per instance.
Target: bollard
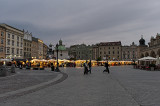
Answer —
(13, 69)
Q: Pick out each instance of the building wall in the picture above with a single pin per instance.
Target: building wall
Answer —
(27, 49)
(14, 42)
(27, 42)
(129, 53)
(45, 50)
(62, 54)
(83, 52)
(2, 41)
(40, 49)
(34, 48)
(152, 50)
(109, 50)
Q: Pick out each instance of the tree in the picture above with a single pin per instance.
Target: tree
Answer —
(99, 59)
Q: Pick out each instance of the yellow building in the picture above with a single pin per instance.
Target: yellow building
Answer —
(40, 49)
(2, 41)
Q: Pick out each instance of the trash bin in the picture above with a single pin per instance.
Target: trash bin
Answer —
(3, 71)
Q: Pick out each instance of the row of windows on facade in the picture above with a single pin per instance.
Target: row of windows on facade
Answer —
(28, 49)
(128, 56)
(109, 48)
(19, 51)
(27, 54)
(8, 43)
(110, 52)
(27, 44)
(14, 37)
(110, 57)
(84, 52)
(125, 52)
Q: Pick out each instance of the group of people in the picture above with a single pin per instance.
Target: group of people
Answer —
(87, 67)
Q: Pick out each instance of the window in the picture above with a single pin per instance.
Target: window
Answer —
(24, 48)
(8, 42)
(123, 56)
(118, 47)
(108, 52)
(1, 41)
(17, 51)
(24, 44)
(113, 52)
(8, 50)
(113, 47)
(109, 47)
(12, 50)
(8, 35)
(17, 38)
(1, 49)
(2, 34)
(118, 52)
(18, 44)
(100, 53)
(21, 44)
(21, 39)
(12, 42)
(104, 52)
(21, 51)
(12, 36)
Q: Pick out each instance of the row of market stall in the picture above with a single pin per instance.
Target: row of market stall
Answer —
(62, 63)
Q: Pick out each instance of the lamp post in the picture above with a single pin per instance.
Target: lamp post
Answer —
(57, 68)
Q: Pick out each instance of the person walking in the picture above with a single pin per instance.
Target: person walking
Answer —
(85, 68)
(90, 66)
(107, 69)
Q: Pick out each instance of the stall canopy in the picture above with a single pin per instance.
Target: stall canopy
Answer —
(148, 58)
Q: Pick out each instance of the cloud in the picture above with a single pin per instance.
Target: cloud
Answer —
(88, 21)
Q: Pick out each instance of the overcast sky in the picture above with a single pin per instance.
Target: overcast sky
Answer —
(84, 21)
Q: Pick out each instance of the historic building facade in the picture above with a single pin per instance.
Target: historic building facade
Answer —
(62, 51)
(154, 48)
(34, 48)
(108, 50)
(14, 42)
(40, 49)
(27, 42)
(45, 50)
(129, 53)
(2, 41)
(80, 52)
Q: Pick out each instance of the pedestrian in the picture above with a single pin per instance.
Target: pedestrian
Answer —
(107, 69)
(85, 68)
(90, 66)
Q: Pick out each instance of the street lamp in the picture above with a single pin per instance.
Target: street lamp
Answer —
(57, 68)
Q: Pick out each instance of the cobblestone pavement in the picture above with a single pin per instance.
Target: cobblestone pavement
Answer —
(124, 86)
(25, 78)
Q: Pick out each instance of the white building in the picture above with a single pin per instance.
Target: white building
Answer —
(14, 42)
(62, 51)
